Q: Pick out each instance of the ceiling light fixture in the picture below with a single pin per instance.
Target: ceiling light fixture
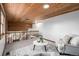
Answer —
(46, 6)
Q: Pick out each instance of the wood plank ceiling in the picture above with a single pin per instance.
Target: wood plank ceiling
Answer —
(26, 13)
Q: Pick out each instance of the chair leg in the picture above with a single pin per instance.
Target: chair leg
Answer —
(34, 47)
(45, 48)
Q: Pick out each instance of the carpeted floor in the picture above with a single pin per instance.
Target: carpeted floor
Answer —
(25, 48)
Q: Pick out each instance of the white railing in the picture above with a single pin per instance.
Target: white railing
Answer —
(13, 36)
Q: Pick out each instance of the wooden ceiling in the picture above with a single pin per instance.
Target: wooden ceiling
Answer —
(28, 12)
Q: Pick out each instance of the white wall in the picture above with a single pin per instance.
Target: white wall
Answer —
(56, 27)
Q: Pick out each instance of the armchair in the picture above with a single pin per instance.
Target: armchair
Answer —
(72, 46)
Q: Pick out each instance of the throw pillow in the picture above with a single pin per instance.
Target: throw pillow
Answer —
(75, 41)
(66, 39)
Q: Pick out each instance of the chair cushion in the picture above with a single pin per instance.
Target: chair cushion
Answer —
(72, 50)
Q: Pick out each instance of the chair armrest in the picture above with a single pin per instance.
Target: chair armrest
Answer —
(50, 40)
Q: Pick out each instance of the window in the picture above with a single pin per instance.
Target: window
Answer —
(2, 25)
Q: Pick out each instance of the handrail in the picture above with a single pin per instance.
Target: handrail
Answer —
(16, 31)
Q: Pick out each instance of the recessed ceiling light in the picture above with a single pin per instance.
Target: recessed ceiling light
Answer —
(46, 6)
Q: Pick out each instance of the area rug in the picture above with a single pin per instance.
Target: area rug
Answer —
(39, 51)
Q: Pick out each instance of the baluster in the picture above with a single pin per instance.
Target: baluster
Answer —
(6, 38)
(20, 35)
(11, 38)
(15, 36)
(26, 34)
